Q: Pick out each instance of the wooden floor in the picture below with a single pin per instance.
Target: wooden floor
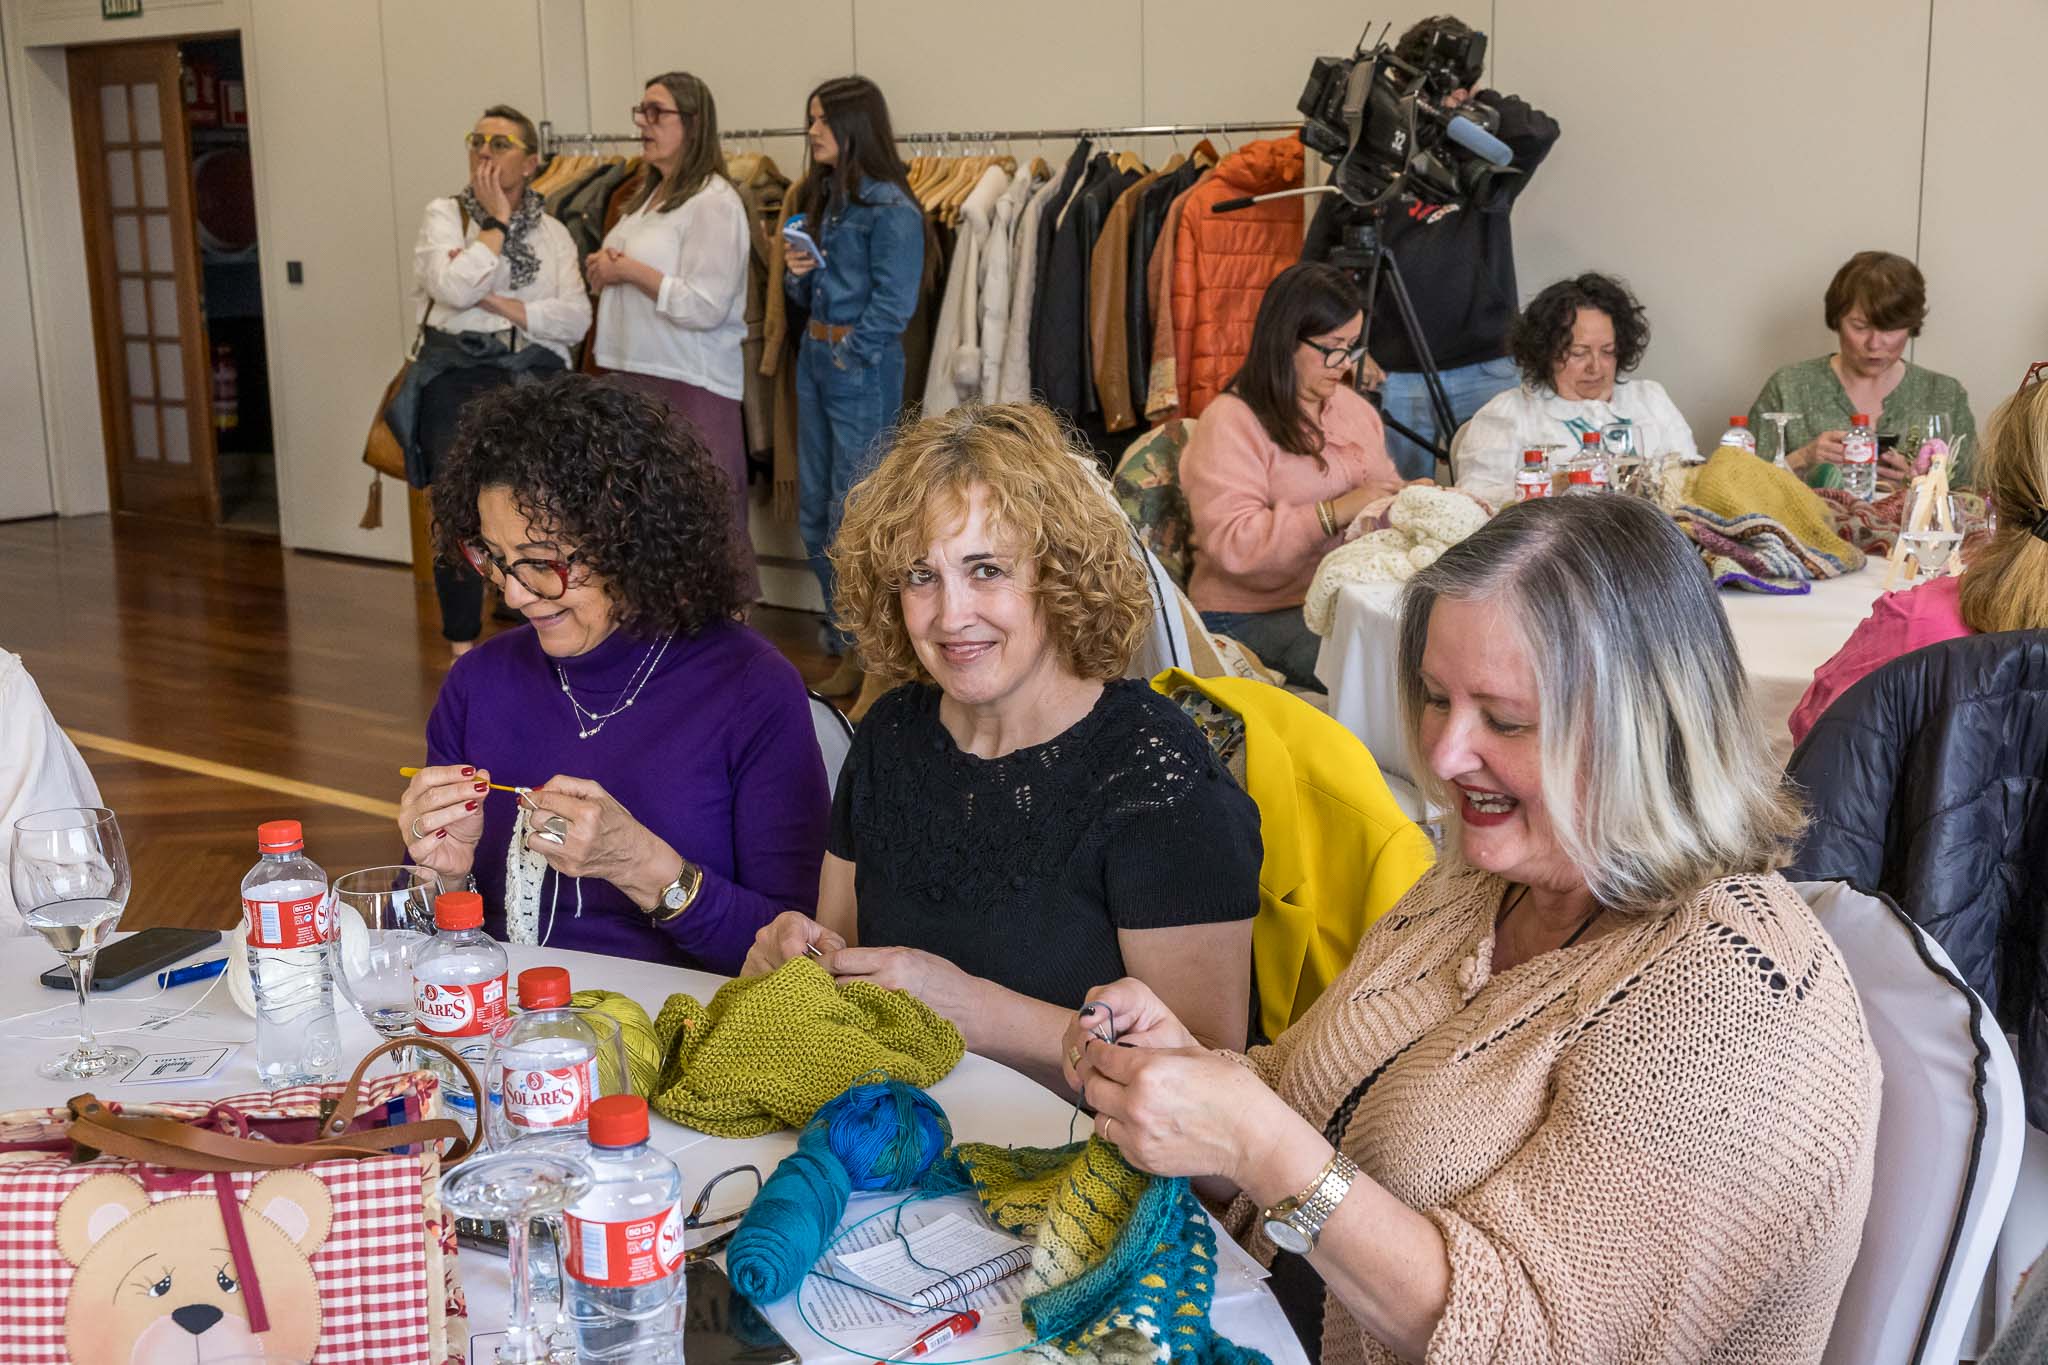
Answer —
(213, 680)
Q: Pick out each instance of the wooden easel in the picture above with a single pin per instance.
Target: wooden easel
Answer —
(1933, 500)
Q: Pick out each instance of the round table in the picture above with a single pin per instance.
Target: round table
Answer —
(987, 1102)
(1782, 640)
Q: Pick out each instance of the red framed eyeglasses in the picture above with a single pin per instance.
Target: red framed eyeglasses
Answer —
(545, 578)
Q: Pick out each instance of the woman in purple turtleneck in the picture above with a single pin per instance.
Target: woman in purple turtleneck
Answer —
(679, 798)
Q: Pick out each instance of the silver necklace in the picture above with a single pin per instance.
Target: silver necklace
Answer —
(589, 722)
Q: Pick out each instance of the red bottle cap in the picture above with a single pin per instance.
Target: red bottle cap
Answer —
(1579, 476)
(618, 1121)
(1532, 457)
(543, 988)
(1589, 438)
(458, 910)
(1738, 421)
(1859, 419)
(279, 836)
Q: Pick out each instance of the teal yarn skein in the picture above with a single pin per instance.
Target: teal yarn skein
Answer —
(880, 1135)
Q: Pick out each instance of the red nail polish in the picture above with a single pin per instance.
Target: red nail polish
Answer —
(440, 834)
(469, 772)
(469, 805)
(483, 786)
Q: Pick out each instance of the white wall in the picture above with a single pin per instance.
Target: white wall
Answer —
(24, 460)
(1712, 155)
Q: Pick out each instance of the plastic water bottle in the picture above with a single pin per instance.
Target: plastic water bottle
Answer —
(1739, 435)
(1532, 480)
(542, 1074)
(1579, 479)
(1859, 458)
(622, 1257)
(290, 924)
(458, 989)
(1593, 456)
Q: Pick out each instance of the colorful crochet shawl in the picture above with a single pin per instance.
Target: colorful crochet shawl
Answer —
(1123, 1264)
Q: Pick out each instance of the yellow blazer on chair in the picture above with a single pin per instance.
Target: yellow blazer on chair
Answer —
(1338, 850)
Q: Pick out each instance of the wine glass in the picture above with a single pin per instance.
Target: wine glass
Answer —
(1780, 418)
(1930, 440)
(70, 875)
(1930, 531)
(536, 1181)
(395, 906)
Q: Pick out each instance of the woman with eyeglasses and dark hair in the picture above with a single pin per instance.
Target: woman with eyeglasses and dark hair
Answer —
(671, 281)
(858, 209)
(678, 799)
(1280, 464)
(504, 297)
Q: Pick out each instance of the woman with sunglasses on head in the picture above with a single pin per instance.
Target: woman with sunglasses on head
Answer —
(671, 281)
(678, 799)
(504, 298)
(1280, 464)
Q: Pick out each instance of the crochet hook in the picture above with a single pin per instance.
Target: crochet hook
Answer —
(415, 772)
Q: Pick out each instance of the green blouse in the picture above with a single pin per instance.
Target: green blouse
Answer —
(1811, 390)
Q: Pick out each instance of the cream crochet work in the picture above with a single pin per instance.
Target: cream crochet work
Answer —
(1653, 1146)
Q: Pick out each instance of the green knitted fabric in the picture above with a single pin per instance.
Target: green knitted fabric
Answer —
(770, 1050)
(1123, 1264)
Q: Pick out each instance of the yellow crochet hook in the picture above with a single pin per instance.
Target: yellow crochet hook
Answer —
(496, 787)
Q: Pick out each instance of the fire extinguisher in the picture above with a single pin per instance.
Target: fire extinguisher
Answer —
(227, 413)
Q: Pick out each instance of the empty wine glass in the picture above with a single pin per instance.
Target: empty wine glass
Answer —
(395, 907)
(70, 875)
(1930, 531)
(1780, 419)
(536, 1181)
(1929, 432)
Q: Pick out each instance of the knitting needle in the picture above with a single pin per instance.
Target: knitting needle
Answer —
(415, 772)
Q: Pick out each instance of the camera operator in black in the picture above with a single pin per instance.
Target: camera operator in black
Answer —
(1459, 265)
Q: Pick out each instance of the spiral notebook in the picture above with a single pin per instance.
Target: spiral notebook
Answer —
(939, 1263)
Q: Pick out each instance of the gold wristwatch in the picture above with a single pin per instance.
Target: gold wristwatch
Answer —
(1296, 1222)
(679, 894)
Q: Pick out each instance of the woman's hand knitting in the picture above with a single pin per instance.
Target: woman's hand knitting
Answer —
(442, 817)
(927, 976)
(784, 937)
(602, 839)
(1137, 1017)
(1182, 1111)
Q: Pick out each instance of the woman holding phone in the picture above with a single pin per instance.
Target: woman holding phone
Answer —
(671, 281)
(858, 211)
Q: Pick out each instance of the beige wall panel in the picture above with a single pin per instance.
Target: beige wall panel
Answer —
(24, 454)
(443, 65)
(323, 158)
(611, 63)
(759, 63)
(565, 66)
(1205, 63)
(987, 64)
(1986, 201)
(1710, 157)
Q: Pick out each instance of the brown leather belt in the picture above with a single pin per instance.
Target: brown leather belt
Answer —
(830, 332)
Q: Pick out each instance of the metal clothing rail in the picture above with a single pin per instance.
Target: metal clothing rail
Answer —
(552, 141)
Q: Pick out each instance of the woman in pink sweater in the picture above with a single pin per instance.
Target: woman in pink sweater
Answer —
(2003, 587)
(1279, 465)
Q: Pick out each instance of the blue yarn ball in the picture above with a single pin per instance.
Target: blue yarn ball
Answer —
(876, 1136)
(885, 1133)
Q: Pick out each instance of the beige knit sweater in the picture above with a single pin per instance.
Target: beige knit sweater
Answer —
(1652, 1146)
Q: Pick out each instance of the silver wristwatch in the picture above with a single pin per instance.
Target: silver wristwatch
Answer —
(1295, 1223)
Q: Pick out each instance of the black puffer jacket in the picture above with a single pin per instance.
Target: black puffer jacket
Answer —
(1929, 781)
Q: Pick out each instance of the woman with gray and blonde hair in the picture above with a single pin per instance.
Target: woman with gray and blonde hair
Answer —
(1598, 1087)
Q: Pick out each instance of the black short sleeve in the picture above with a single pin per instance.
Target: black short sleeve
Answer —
(1193, 862)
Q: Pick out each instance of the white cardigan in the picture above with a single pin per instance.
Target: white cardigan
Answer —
(693, 329)
(956, 368)
(1488, 449)
(456, 273)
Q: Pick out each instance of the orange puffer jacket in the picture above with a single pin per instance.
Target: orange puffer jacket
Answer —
(1222, 264)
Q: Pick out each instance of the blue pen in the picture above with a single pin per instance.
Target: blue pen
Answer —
(198, 971)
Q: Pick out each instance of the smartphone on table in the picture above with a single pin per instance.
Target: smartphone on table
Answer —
(136, 956)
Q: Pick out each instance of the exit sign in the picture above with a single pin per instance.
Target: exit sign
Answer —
(120, 9)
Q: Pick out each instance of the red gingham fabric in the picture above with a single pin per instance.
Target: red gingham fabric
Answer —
(387, 1274)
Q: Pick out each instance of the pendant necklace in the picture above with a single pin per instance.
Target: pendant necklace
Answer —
(589, 722)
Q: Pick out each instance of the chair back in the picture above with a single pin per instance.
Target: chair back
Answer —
(1949, 1134)
(1147, 483)
(835, 738)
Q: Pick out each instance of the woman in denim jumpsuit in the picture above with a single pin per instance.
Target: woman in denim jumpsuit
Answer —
(857, 206)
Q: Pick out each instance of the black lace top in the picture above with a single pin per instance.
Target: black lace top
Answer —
(1021, 869)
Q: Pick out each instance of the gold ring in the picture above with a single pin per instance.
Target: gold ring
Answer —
(1074, 1058)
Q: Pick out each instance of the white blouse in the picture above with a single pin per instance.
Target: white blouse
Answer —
(1488, 449)
(456, 272)
(693, 328)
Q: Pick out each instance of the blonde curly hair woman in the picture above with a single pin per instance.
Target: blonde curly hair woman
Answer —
(1018, 821)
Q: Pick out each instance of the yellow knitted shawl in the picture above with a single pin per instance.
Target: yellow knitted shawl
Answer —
(1735, 483)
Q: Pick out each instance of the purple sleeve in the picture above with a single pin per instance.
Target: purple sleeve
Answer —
(779, 819)
(445, 724)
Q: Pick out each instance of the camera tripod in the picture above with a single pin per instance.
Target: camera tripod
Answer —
(1365, 258)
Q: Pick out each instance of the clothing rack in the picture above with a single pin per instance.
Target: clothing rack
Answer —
(551, 141)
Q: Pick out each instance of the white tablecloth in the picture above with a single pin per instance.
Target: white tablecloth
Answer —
(1782, 640)
(987, 1102)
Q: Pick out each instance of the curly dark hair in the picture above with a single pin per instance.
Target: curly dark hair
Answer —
(612, 472)
(1543, 331)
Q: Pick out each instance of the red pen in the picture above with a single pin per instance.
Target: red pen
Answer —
(932, 1338)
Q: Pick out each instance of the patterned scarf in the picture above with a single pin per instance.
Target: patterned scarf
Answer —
(519, 252)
